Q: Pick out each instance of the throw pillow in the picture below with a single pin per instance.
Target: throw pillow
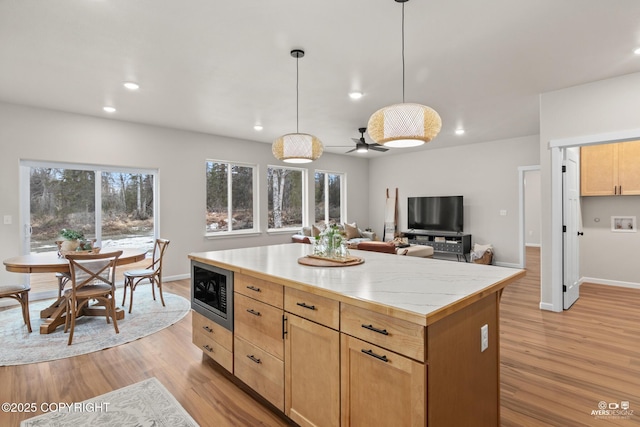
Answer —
(384, 247)
(351, 231)
(315, 231)
(306, 231)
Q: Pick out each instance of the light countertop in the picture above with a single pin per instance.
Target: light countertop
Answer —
(420, 289)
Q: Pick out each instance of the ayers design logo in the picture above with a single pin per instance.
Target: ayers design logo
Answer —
(613, 410)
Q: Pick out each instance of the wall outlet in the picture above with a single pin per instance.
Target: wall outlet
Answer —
(484, 338)
(503, 212)
(8, 220)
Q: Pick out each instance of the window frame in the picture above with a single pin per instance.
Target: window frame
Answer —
(304, 172)
(343, 198)
(255, 200)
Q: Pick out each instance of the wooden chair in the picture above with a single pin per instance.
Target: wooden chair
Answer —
(19, 293)
(92, 278)
(152, 273)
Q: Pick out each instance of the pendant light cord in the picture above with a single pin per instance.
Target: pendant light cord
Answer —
(297, 94)
(403, 53)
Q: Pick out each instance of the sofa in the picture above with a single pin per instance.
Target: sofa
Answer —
(351, 233)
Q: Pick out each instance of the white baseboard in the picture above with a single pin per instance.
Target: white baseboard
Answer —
(546, 306)
(533, 245)
(610, 282)
(176, 277)
(507, 264)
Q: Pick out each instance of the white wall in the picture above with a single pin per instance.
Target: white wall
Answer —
(596, 108)
(607, 256)
(485, 174)
(37, 134)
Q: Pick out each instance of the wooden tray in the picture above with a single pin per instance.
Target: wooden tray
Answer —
(316, 261)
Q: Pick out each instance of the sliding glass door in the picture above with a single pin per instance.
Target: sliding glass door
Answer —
(115, 206)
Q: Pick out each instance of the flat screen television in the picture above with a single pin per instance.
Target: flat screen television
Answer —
(439, 213)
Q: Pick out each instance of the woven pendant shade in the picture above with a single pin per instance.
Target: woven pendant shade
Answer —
(404, 125)
(297, 148)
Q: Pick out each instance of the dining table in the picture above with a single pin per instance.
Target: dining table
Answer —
(52, 262)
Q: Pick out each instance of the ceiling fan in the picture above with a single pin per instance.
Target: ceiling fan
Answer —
(362, 146)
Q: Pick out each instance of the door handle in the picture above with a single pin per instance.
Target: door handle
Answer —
(580, 233)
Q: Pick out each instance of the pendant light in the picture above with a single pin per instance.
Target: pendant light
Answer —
(406, 124)
(297, 147)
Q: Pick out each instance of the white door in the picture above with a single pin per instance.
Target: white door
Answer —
(571, 220)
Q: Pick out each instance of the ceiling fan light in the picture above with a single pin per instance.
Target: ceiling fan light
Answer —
(297, 148)
(404, 125)
(362, 149)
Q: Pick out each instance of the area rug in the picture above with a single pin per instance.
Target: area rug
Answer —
(91, 333)
(146, 403)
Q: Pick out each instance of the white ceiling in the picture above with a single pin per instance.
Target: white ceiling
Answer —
(220, 67)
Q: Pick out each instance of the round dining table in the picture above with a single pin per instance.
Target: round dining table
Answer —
(51, 262)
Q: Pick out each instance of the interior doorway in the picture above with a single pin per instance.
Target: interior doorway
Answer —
(529, 211)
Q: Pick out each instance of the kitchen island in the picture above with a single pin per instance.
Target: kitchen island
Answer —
(392, 341)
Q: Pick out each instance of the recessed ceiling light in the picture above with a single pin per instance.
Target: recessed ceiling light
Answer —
(131, 85)
(257, 127)
(637, 51)
(355, 95)
(109, 109)
(459, 131)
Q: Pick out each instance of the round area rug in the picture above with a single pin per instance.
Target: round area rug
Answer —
(91, 334)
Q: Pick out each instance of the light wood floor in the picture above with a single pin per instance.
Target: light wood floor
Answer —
(556, 367)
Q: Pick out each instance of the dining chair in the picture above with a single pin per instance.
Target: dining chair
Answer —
(19, 293)
(153, 273)
(92, 278)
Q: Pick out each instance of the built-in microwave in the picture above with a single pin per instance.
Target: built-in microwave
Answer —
(212, 293)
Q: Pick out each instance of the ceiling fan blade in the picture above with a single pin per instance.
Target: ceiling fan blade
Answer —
(350, 151)
(356, 140)
(378, 148)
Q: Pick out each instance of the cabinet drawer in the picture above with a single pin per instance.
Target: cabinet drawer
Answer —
(260, 324)
(393, 334)
(214, 350)
(211, 329)
(260, 371)
(313, 307)
(259, 289)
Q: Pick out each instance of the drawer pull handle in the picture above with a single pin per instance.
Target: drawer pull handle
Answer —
(377, 356)
(252, 311)
(208, 329)
(206, 347)
(253, 288)
(372, 328)
(253, 358)
(303, 305)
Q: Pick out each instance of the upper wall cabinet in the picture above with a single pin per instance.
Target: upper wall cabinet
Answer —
(610, 169)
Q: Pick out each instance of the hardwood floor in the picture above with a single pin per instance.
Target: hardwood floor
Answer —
(556, 367)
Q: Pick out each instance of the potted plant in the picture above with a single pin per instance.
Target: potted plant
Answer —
(71, 240)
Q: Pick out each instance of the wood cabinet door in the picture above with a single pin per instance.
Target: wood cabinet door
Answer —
(629, 168)
(380, 388)
(598, 170)
(312, 373)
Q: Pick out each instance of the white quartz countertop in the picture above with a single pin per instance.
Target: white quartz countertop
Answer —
(420, 287)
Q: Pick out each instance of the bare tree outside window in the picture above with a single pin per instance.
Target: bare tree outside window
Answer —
(328, 197)
(66, 198)
(230, 197)
(285, 194)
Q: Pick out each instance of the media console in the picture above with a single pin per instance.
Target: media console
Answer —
(442, 241)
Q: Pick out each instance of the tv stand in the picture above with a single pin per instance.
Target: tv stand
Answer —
(442, 241)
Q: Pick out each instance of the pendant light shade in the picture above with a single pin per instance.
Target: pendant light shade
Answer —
(297, 147)
(406, 124)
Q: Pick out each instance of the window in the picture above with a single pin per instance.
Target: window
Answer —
(287, 197)
(61, 195)
(231, 198)
(328, 197)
